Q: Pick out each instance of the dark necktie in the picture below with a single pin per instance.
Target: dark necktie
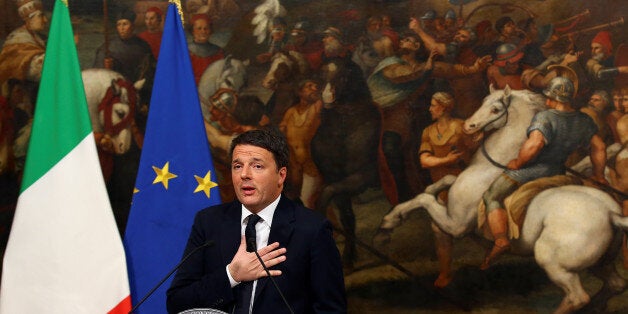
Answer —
(246, 289)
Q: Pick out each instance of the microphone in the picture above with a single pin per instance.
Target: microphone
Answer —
(253, 246)
(185, 258)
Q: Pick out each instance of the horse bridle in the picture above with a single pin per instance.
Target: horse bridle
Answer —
(112, 97)
(483, 145)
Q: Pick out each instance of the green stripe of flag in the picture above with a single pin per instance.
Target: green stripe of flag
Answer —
(61, 118)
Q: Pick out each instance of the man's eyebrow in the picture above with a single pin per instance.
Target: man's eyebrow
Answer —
(255, 159)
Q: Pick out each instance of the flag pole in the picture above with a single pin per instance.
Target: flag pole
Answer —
(105, 13)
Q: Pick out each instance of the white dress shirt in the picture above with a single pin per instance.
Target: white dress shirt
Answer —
(262, 230)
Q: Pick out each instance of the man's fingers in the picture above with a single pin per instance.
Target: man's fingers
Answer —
(273, 254)
(274, 261)
(268, 248)
(274, 273)
(242, 246)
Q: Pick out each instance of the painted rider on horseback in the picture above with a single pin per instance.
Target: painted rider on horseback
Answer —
(553, 135)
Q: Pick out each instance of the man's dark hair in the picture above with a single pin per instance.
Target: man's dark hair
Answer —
(270, 139)
(249, 110)
(302, 84)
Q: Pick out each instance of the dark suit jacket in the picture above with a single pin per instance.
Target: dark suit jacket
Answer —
(311, 279)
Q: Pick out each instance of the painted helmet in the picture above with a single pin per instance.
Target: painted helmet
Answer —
(429, 15)
(451, 15)
(507, 53)
(560, 89)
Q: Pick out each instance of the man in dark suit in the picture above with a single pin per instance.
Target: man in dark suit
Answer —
(302, 255)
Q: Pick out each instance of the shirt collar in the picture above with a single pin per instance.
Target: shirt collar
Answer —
(266, 214)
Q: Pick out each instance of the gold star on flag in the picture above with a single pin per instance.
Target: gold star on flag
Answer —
(205, 184)
(163, 175)
(136, 190)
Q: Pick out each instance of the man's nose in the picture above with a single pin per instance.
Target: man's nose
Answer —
(245, 173)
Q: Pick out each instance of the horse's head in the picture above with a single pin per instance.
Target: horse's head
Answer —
(492, 114)
(116, 113)
(366, 57)
(500, 105)
(284, 66)
(233, 74)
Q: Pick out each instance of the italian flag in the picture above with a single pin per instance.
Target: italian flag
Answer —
(64, 253)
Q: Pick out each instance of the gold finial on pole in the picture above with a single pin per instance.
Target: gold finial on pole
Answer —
(179, 8)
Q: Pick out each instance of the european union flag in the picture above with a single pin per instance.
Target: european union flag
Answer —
(176, 176)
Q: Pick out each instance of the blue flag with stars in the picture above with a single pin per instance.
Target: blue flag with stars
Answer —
(176, 175)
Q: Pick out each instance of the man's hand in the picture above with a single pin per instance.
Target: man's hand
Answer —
(108, 63)
(483, 62)
(415, 25)
(513, 164)
(328, 96)
(453, 156)
(429, 64)
(246, 267)
(571, 57)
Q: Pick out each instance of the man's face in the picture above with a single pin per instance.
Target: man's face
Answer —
(124, 28)
(309, 92)
(429, 23)
(332, 46)
(509, 29)
(152, 21)
(278, 32)
(298, 38)
(439, 24)
(597, 102)
(373, 26)
(37, 23)
(597, 51)
(386, 21)
(511, 67)
(408, 44)
(256, 179)
(617, 100)
(551, 103)
(462, 36)
(201, 31)
(436, 109)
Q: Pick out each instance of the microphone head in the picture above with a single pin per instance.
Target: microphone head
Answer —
(251, 245)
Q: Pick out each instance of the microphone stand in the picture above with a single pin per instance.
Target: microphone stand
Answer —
(273, 281)
(206, 244)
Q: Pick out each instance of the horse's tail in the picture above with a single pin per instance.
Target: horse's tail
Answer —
(620, 221)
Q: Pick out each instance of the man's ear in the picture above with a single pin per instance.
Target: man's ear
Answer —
(283, 173)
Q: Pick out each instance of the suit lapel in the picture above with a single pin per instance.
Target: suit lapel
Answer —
(230, 231)
(280, 231)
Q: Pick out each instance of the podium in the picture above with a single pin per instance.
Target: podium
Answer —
(203, 311)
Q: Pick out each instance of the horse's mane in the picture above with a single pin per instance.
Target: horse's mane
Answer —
(536, 100)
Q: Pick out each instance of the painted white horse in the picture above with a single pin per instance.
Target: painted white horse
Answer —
(567, 228)
(108, 92)
(224, 74)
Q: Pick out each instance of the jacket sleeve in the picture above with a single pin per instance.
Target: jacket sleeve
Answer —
(201, 281)
(326, 274)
